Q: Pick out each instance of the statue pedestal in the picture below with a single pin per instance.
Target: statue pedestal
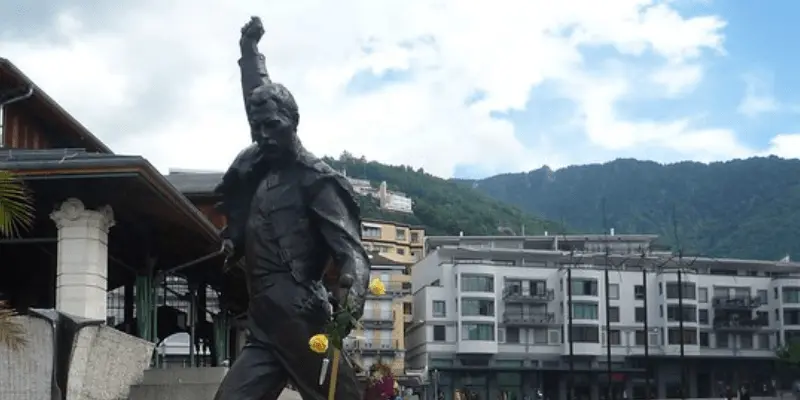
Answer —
(185, 384)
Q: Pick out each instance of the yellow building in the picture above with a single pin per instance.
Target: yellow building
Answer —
(382, 333)
(394, 240)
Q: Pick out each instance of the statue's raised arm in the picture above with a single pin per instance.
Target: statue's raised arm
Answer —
(252, 63)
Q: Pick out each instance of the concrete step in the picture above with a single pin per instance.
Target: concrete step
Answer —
(185, 384)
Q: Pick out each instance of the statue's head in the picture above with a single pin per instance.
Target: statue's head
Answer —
(273, 116)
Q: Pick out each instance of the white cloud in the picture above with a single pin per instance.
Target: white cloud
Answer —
(786, 145)
(758, 98)
(452, 49)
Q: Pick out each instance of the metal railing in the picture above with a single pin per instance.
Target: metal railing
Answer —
(529, 318)
(745, 302)
(516, 294)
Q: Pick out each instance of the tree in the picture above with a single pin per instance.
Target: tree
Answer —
(16, 214)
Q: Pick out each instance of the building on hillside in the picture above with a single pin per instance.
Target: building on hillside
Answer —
(381, 336)
(387, 199)
(492, 317)
(394, 240)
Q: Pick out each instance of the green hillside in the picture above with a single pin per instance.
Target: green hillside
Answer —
(742, 208)
(443, 207)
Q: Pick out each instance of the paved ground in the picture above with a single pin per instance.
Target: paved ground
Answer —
(290, 395)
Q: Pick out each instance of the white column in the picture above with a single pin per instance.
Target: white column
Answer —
(82, 272)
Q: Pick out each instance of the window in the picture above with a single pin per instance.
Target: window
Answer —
(439, 309)
(638, 292)
(776, 293)
(477, 283)
(791, 316)
(613, 314)
(762, 296)
(512, 335)
(615, 337)
(640, 338)
(763, 341)
(703, 339)
(371, 231)
(791, 295)
(540, 336)
(688, 290)
(477, 308)
(722, 340)
(689, 313)
(407, 308)
(400, 234)
(702, 316)
(414, 237)
(401, 251)
(584, 287)
(584, 310)
(639, 314)
(689, 336)
(702, 295)
(439, 333)
(746, 341)
(475, 331)
(585, 334)
(778, 315)
(613, 291)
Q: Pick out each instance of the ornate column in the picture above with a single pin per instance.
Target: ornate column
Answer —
(82, 272)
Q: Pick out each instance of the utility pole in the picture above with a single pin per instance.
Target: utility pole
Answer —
(609, 389)
(646, 337)
(571, 379)
(680, 325)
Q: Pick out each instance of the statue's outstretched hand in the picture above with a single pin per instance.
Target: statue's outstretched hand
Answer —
(252, 32)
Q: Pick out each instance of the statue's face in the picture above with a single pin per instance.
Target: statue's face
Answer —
(271, 127)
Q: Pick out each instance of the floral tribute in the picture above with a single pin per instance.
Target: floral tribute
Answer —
(381, 383)
(331, 341)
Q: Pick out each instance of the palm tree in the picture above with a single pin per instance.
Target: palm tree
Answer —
(16, 214)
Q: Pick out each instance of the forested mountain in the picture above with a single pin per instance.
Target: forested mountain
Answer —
(443, 207)
(742, 208)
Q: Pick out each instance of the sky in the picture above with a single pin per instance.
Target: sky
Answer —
(462, 88)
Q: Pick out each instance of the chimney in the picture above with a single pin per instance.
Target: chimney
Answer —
(612, 232)
(545, 233)
(461, 233)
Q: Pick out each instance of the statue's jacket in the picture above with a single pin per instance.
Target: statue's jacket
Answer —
(296, 220)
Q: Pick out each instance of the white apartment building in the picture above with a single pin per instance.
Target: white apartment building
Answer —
(492, 318)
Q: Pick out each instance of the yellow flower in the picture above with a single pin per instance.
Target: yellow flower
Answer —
(376, 287)
(318, 343)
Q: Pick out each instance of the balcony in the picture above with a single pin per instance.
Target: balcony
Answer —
(740, 324)
(516, 295)
(528, 320)
(378, 347)
(736, 303)
(374, 319)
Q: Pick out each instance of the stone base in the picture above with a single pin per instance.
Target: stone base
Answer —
(71, 358)
(185, 384)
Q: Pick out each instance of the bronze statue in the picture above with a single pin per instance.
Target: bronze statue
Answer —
(293, 218)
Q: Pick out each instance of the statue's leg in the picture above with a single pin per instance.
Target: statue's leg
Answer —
(304, 367)
(292, 314)
(257, 374)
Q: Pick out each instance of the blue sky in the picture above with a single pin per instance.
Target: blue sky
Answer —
(465, 89)
(758, 56)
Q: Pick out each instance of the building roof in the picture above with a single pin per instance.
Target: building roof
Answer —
(195, 182)
(46, 164)
(72, 128)
(598, 259)
(571, 238)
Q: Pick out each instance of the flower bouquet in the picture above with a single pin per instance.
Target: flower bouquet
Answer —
(381, 384)
(331, 341)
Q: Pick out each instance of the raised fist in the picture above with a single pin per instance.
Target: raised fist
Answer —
(252, 31)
